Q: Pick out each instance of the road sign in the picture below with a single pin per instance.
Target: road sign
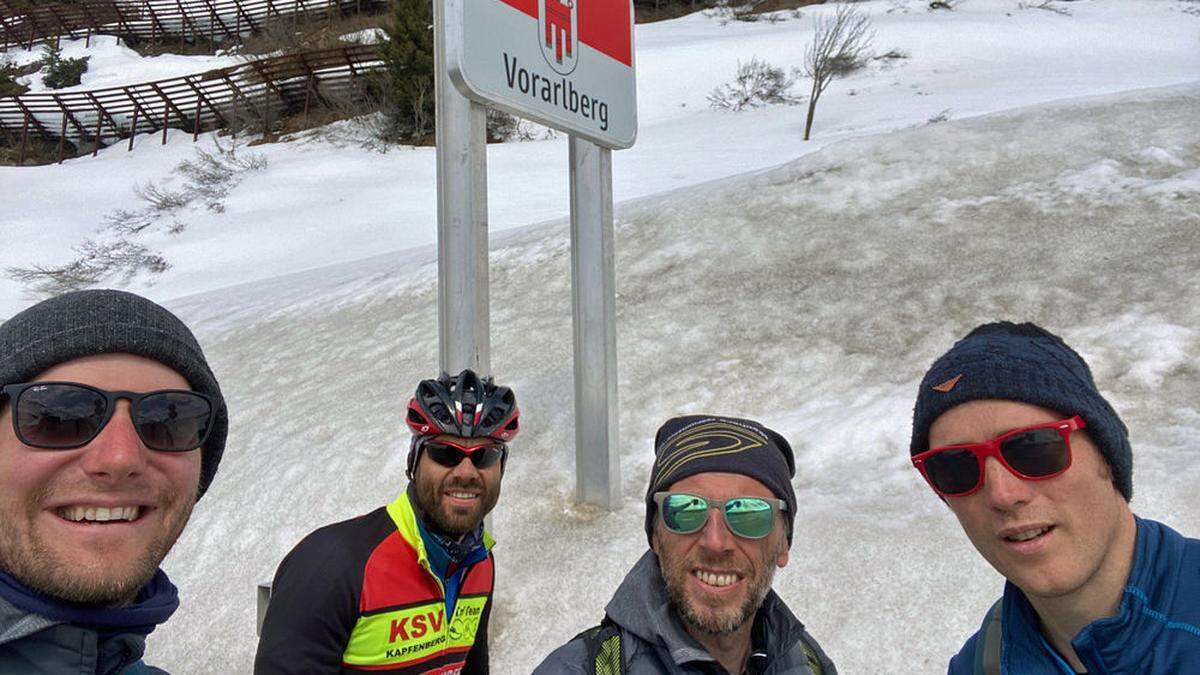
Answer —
(565, 63)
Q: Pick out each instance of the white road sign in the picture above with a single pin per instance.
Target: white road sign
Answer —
(565, 63)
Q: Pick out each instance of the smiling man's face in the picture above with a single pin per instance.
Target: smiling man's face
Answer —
(1064, 536)
(457, 498)
(54, 535)
(715, 579)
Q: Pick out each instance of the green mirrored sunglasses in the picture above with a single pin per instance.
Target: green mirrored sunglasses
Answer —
(747, 517)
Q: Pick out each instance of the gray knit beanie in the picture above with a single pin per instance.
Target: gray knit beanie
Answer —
(692, 444)
(1026, 363)
(83, 323)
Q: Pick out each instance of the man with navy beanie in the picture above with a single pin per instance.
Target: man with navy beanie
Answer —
(112, 426)
(1011, 432)
(720, 512)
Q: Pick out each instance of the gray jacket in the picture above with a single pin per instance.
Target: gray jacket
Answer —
(653, 641)
(31, 644)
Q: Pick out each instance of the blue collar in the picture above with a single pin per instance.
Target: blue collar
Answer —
(1056, 657)
(446, 554)
(1158, 602)
(154, 605)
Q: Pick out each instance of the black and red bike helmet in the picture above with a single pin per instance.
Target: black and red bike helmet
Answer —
(463, 405)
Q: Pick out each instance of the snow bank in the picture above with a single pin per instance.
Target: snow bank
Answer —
(326, 202)
(811, 296)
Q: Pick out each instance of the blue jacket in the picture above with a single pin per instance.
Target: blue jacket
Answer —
(1156, 630)
(40, 635)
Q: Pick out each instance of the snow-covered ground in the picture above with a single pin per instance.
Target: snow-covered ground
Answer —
(320, 202)
(112, 64)
(811, 295)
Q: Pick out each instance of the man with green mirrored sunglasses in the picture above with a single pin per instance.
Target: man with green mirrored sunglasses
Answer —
(746, 517)
(720, 509)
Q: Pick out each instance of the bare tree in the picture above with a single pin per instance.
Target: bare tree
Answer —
(839, 47)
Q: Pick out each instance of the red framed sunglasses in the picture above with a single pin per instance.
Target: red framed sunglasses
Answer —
(1037, 452)
(450, 454)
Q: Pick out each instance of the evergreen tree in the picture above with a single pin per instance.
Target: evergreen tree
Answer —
(61, 72)
(8, 78)
(405, 86)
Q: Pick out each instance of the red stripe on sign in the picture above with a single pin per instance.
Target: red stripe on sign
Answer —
(530, 7)
(603, 25)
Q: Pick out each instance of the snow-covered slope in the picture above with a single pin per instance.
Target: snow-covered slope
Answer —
(811, 296)
(324, 202)
(112, 64)
(809, 291)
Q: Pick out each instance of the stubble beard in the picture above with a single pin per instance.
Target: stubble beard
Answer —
(705, 619)
(448, 520)
(97, 582)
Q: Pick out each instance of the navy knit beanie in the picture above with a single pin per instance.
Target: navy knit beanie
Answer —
(1026, 363)
(686, 446)
(83, 323)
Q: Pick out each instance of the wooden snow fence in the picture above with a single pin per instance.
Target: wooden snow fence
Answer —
(24, 25)
(259, 90)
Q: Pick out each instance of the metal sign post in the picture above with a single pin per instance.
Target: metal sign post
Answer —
(461, 128)
(569, 65)
(594, 303)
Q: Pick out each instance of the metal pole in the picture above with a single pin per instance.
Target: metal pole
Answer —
(462, 214)
(594, 302)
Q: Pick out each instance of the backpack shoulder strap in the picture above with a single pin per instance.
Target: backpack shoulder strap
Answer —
(988, 646)
(814, 661)
(603, 646)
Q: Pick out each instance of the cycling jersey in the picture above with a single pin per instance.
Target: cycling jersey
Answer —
(360, 595)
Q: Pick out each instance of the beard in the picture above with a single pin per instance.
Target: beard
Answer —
(94, 581)
(706, 618)
(449, 519)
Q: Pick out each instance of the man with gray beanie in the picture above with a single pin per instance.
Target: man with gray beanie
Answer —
(1011, 432)
(111, 427)
(720, 511)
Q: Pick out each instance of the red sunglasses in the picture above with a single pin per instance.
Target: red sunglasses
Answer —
(450, 454)
(1037, 452)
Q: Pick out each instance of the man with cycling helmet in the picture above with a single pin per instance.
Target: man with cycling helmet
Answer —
(407, 587)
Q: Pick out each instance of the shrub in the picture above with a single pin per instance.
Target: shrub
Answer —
(501, 126)
(757, 83)
(892, 55)
(61, 72)
(95, 261)
(1047, 5)
(210, 176)
(113, 255)
(8, 78)
(840, 45)
(748, 11)
(940, 117)
(404, 88)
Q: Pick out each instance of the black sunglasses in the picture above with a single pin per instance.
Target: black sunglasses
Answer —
(450, 456)
(65, 415)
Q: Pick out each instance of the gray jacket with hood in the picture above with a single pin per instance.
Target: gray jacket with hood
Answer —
(31, 644)
(653, 641)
